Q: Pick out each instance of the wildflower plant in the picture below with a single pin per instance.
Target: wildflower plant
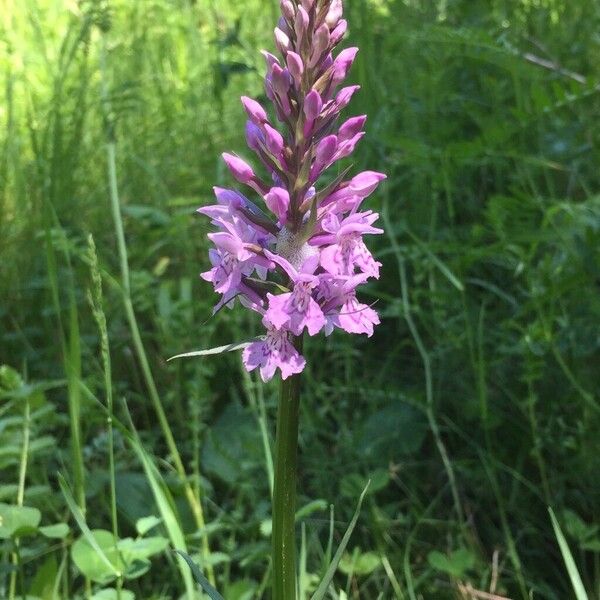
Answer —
(293, 249)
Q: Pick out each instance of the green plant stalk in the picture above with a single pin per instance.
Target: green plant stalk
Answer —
(71, 351)
(100, 317)
(193, 501)
(284, 489)
(21, 498)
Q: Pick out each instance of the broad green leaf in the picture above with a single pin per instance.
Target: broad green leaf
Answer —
(324, 585)
(17, 521)
(58, 531)
(359, 564)
(576, 582)
(577, 527)
(456, 564)
(232, 447)
(44, 580)
(99, 561)
(145, 524)
(241, 590)
(136, 568)
(141, 548)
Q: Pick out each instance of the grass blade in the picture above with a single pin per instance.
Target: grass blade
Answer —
(212, 351)
(324, 585)
(576, 582)
(80, 519)
(166, 508)
(199, 577)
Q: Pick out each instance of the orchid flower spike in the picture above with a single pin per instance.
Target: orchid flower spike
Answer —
(293, 251)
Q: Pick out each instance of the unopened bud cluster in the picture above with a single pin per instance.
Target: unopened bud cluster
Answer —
(299, 262)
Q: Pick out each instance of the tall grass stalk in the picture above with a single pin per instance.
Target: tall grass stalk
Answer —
(192, 499)
(95, 300)
(71, 355)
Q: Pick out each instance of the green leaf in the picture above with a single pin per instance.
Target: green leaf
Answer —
(215, 558)
(56, 532)
(18, 521)
(232, 446)
(145, 524)
(456, 564)
(141, 548)
(99, 561)
(241, 590)
(88, 535)
(359, 564)
(577, 527)
(137, 568)
(111, 594)
(576, 582)
(44, 580)
(199, 577)
(324, 585)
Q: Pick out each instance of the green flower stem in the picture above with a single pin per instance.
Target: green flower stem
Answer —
(284, 492)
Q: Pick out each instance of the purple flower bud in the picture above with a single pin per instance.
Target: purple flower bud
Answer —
(342, 65)
(240, 169)
(278, 201)
(287, 8)
(296, 67)
(313, 105)
(344, 96)
(255, 111)
(282, 40)
(326, 149)
(274, 141)
(365, 183)
(281, 80)
(347, 147)
(320, 44)
(301, 25)
(336, 10)
(324, 155)
(254, 136)
(339, 32)
(270, 59)
(230, 197)
(308, 4)
(351, 127)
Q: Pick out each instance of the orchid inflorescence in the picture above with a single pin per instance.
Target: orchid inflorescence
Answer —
(300, 266)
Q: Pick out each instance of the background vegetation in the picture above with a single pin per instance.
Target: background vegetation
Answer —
(472, 409)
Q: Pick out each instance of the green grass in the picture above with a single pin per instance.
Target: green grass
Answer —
(473, 408)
